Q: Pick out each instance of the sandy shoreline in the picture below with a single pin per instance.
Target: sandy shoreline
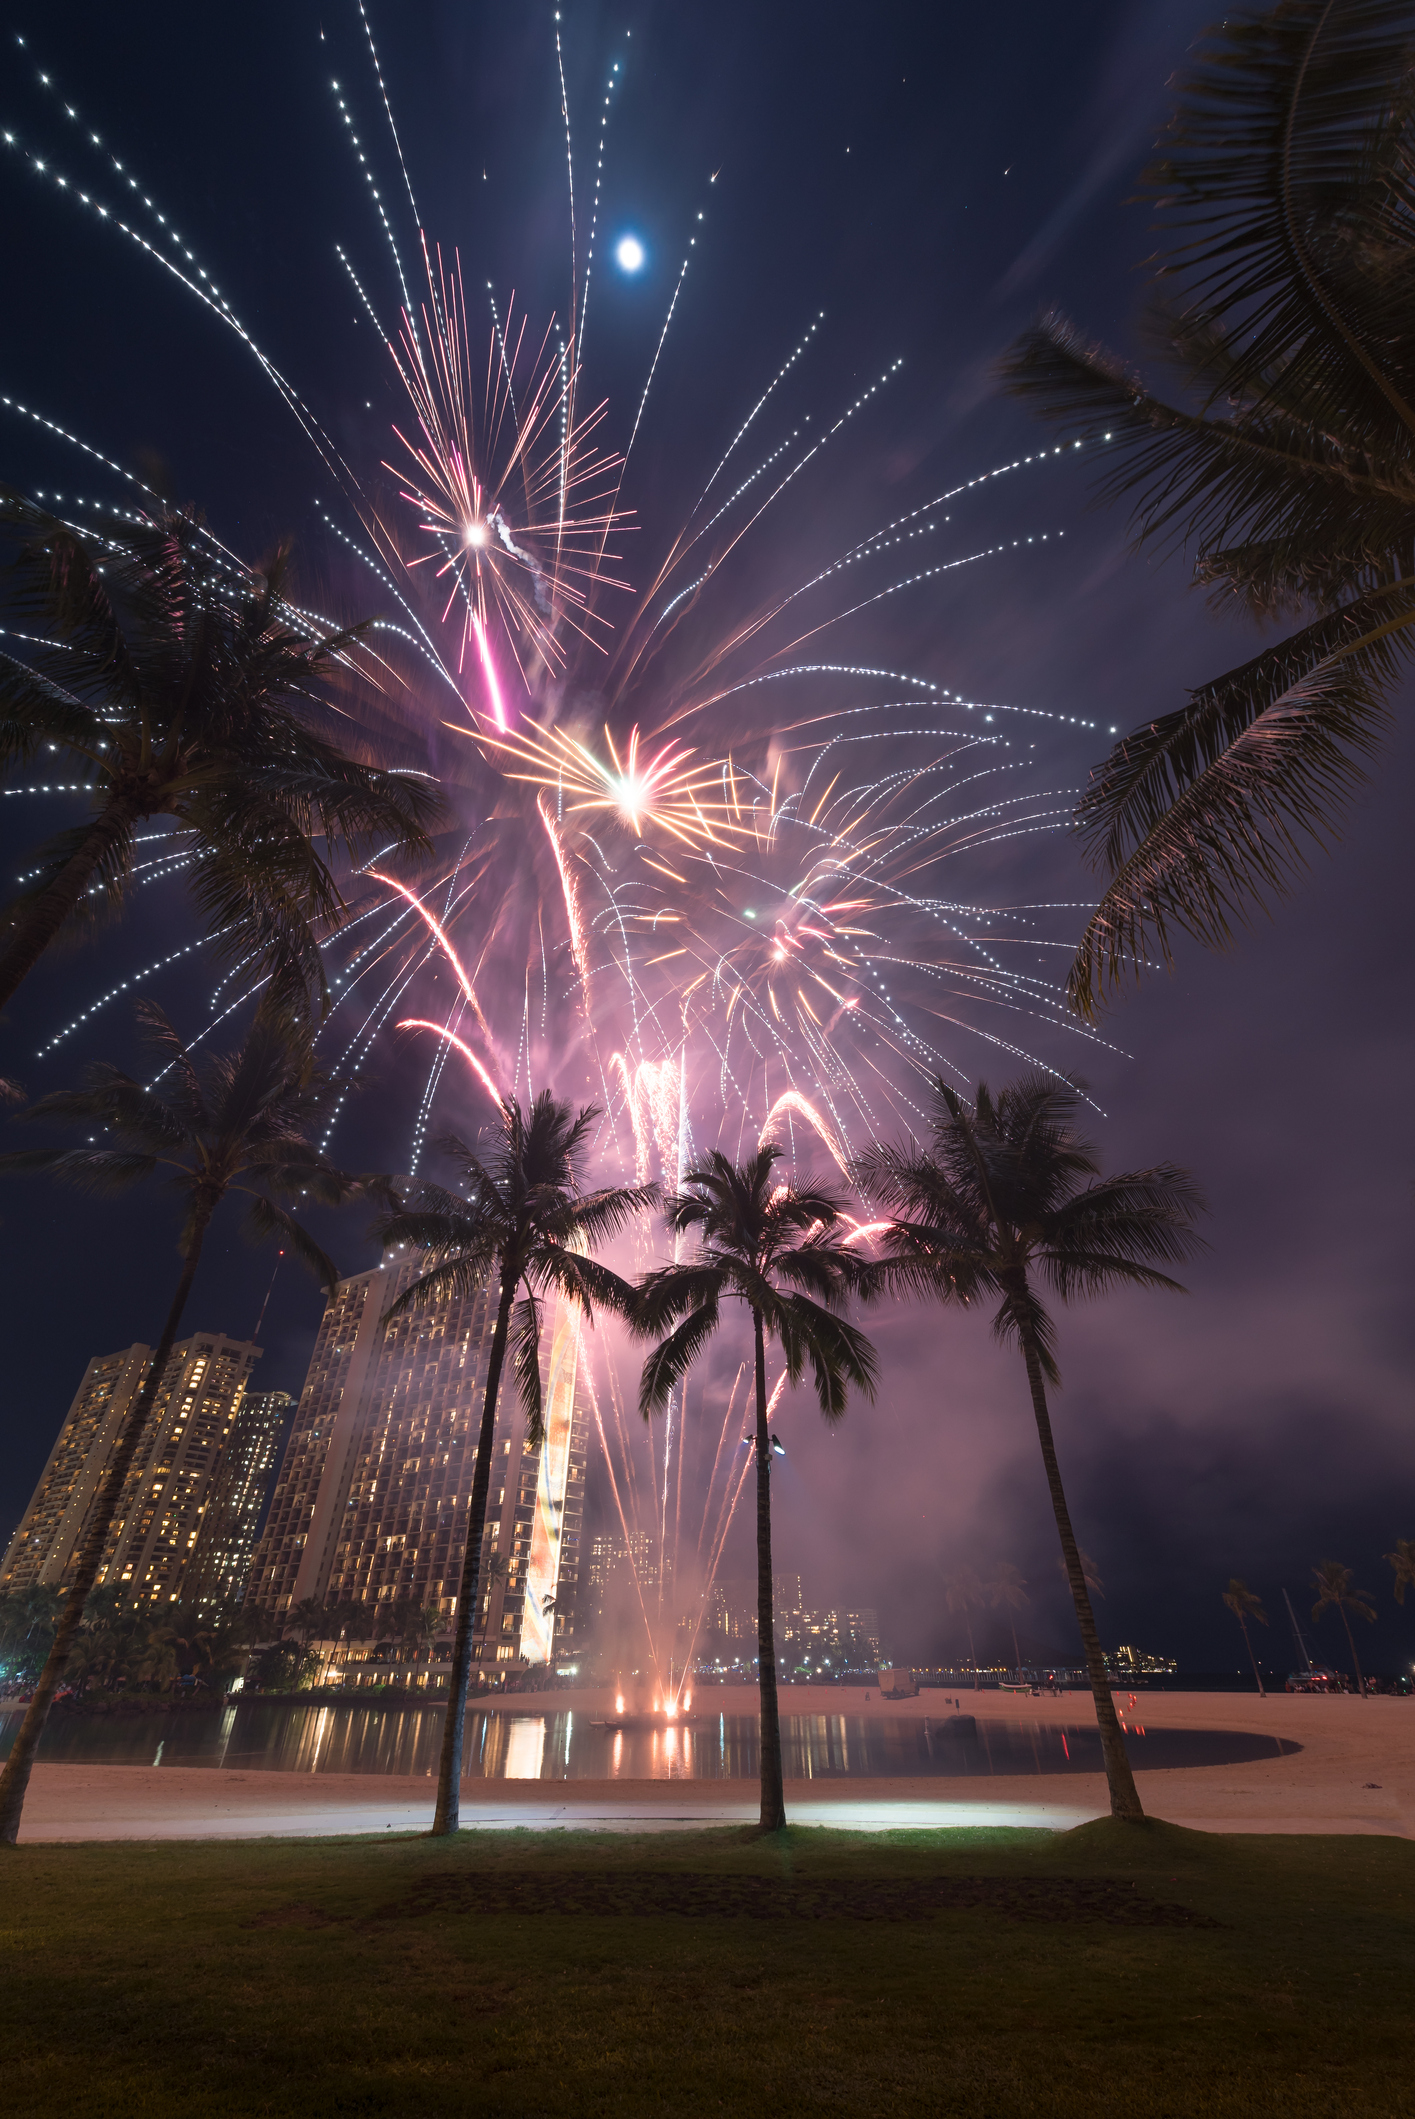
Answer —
(1354, 1773)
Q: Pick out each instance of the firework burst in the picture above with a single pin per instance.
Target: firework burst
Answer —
(738, 893)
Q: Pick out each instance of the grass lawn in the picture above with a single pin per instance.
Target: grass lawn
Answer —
(1111, 1969)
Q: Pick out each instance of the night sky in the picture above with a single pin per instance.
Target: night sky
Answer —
(928, 178)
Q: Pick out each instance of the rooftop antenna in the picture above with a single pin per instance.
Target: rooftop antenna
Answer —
(1297, 1633)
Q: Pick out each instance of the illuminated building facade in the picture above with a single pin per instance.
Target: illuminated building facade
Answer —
(615, 1561)
(373, 1493)
(157, 1527)
(221, 1563)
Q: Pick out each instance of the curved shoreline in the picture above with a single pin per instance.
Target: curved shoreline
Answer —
(1354, 1773)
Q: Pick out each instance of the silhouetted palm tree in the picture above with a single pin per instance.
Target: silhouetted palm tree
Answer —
(963, 1594)
(239, 1124)
(1007, 1591)
(779, 1250)
(1246, 1605)
(1284, 180)
(1336, 1586)
(182, 687)
(1403, 1561)
(524, 1222)
(997, 1200)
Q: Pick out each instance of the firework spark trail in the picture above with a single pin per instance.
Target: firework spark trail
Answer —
(209, 296)
(424, 644)
(781, 374)
(360, 290)
(680, 1165)
(796, 932)
(493, 685)
(568, 375)
(388, 109)
(453, 1022)
(909, 581)
(441, 1030)
(653, 370)
(717, 1461)
(364, 164)
(736, 1495)
(13, 404)
(624, 1525)
(571, 897)
(792, 1100)
(431, 920)
(611, 84)
(879, 540)
(755, 625)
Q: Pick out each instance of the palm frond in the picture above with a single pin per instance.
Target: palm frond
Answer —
(670, 1291)
(89, 1169)
(265, 1221)
(598, 1216)
(672, 1358)
(841, 1358)
(1282, 170)
(525, 1361)
(584, 1281)
(454, 1279)
(1207, 814)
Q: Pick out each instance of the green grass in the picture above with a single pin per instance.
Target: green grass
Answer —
(404, 1975)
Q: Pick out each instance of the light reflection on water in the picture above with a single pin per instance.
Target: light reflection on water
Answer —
(571, 1746)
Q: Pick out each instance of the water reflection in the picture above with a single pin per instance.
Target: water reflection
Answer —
(571, 1746)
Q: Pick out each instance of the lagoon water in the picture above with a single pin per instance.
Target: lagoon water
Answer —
(570, 1745)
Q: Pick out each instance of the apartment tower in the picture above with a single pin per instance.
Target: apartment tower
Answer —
(157, 1528)
(372, 1497)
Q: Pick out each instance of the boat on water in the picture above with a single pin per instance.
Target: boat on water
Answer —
(1036, 1681)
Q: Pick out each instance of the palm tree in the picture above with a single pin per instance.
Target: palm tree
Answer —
(1336, 1586)
(240, 1124)
(778, 1249)
(1284, 180)
(524, 1222)
(997, 1201)
(964, 1593)
(28, 1617)
(182, 687)
(1245, 1605)
(1007, 1591)
(1403, 1561)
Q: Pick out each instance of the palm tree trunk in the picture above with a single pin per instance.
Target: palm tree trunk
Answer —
(1248, 1644)
(1124, 1796)
(36, 923)
(447, 1817)
(773, 1815)
(14, 1781)
(972, 1651)
(1355, 1659)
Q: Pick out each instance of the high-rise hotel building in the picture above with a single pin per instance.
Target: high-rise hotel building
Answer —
(372, 1497)
(165, 1521)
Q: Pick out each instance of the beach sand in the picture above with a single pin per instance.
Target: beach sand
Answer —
(1355, 1772)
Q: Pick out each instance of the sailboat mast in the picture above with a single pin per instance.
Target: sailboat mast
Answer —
(1297, 1633)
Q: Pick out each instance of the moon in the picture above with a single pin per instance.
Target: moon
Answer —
(629, 253)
